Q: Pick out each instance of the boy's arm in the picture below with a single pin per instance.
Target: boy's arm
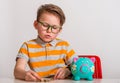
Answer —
(21, 73)
(19, 70)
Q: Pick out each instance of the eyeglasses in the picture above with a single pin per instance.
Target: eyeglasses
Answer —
(54, 29)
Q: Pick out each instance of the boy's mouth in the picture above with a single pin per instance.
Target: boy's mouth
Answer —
(47, 36)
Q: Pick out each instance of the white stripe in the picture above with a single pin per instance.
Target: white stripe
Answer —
(50, 57)
(24, 46)
(32, 42)
(34, 50)
(21, 55)
(69, 49)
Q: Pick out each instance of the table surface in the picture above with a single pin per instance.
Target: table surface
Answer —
(12, 80)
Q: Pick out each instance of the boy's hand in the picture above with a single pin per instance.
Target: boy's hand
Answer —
(62, 73)
(32, 76)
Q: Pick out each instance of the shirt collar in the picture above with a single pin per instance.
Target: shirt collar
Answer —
(41, 42)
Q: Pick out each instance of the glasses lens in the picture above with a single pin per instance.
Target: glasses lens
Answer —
(44, 25)
(55, 29)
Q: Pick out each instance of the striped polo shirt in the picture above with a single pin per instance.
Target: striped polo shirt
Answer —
(46, 58)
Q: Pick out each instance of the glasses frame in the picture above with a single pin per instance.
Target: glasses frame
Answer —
(48, 26)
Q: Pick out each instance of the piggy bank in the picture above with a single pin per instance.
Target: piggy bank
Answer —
(82, 68)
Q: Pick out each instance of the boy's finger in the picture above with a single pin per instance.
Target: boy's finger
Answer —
(57, 74)
(36, 75)
(60, 75)
(30, 77)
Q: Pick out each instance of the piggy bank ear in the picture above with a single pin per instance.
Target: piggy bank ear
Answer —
(75, 59)
(92, 59)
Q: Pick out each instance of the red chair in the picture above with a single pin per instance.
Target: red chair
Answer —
(98, 69)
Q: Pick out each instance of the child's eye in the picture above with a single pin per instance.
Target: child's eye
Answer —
(56, 27)
(45, 25)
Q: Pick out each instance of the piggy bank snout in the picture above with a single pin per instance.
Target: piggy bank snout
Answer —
(84, 69)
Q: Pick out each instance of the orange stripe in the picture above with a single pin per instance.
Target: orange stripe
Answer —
(53, 52)
(56, 52)
(46, 63)
(47, 73)
(34, 46)
(63, 43)
(24, 51)
(71, 53)
(37, 54)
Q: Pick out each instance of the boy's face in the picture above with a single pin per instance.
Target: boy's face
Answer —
(48, 27)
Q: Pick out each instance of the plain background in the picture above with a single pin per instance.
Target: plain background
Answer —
(92, 27)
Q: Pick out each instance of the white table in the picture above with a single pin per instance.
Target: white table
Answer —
(12, 80)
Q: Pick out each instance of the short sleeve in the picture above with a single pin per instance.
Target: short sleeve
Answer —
(23, 52)
(70, 54)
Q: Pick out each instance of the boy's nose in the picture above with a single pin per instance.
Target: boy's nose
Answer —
(49, 30)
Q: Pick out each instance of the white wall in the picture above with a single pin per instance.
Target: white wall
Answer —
(92, 27)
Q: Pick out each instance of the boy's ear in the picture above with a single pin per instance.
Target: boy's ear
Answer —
(35, 24)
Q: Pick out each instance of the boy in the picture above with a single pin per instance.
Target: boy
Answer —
(46, 55)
